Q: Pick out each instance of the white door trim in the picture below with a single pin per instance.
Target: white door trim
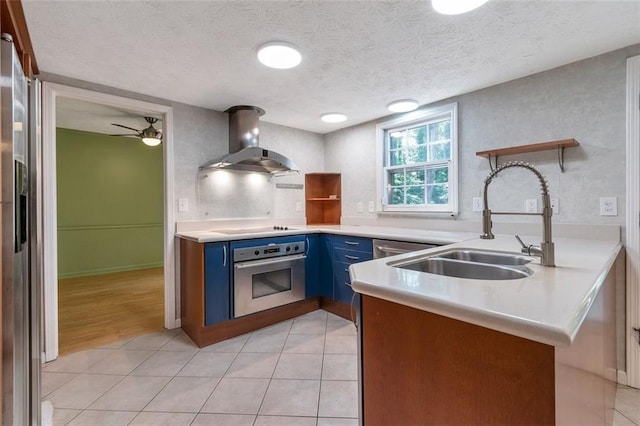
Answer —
(50, 92)
(633, 222)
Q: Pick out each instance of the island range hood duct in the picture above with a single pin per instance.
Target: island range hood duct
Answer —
(244, 152)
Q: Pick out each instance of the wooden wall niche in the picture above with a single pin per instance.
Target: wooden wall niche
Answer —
(323, 198)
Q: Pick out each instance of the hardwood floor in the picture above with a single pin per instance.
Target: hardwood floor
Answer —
(102, 309)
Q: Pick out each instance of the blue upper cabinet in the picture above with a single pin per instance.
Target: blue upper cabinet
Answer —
(217, 260)
(312, 266)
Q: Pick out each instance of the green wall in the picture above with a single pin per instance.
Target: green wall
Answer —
(110, 203)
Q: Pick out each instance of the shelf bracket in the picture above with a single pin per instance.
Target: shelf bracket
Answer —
(561, 158)
(491, 166)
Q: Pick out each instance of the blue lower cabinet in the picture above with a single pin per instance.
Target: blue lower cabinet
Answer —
(347, 251)
(312, 266)
(216, 290)
(326, 266)
(342, 283)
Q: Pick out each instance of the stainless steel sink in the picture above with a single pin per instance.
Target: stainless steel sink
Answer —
(463, 269)
(479, 256)
(468, 263)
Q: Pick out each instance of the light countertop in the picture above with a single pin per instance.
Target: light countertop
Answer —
(387, 233)
(548, 307)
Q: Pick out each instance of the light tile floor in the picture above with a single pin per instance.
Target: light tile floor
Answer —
(627, 407)
(298, 372)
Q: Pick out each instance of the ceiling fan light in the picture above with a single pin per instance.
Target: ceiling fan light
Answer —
(333, 117)
(456, 7)
(279, 55)
(151, 141)
(403, 105)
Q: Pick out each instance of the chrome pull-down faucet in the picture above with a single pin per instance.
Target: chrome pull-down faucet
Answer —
(546, 250)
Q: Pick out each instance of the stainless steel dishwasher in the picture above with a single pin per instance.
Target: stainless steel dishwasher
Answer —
(385, 248)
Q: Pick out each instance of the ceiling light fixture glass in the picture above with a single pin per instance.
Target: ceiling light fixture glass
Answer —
(333, 117)
(279, 54)
(151, 141)
(403, 105)
(456, 7)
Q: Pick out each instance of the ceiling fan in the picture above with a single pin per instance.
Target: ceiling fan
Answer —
(150, 136)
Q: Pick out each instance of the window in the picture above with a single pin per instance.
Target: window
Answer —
(417, 157)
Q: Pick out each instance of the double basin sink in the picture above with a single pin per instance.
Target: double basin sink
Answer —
(470, 263)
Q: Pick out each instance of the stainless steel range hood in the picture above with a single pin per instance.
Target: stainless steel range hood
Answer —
(244, 152)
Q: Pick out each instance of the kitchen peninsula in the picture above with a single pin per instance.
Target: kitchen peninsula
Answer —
(446, 350)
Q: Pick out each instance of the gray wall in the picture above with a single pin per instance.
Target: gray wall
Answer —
(584, 100)
(199, 135)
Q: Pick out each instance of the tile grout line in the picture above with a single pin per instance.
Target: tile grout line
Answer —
(223, 376)
(272, 373)
(165, 385)
(625, 416)
(324, 346)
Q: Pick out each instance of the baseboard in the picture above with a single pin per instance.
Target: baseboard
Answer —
(102, 271)
(622, 377)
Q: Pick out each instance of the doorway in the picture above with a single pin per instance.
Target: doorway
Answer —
(58, 262)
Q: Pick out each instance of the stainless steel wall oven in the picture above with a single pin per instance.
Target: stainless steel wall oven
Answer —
(266, 276)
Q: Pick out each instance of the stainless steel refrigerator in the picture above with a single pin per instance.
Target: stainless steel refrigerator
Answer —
(20, 284)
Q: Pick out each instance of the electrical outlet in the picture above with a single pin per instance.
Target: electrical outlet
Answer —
(608, 206)
(555, 205)
(183, 204)
(359, 207)
(477, 204)
(372, 207)
(531, 205)
(298, 206)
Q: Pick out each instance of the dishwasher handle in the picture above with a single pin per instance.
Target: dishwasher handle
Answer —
(392, 250)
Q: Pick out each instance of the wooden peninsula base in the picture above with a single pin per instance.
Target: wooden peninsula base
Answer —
(419, 368)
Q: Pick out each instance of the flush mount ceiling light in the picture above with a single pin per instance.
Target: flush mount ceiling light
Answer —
(403, 105)
(333, 117)
(279, 54)
(456, 7)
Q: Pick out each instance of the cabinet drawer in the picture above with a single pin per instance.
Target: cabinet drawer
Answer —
(351, 256)
(353, 243)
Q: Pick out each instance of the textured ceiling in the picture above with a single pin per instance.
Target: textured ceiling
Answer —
(357, 55)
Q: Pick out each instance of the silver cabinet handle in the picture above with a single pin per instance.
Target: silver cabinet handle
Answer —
(224, 255)
(352, 243)
(346, 269)
(307, 248)
(347, 284)
(351, 257)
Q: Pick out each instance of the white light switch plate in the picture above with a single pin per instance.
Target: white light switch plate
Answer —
(298, 206)
(555, 205)
(359, 207)
(608, 206)
(372, 207)
(183, 204)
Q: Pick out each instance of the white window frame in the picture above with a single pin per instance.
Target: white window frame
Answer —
(407, 120)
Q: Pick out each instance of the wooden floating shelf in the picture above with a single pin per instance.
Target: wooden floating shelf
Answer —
(558, 145)
(323, 199)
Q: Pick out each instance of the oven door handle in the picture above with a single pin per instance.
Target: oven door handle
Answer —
(283, 259)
